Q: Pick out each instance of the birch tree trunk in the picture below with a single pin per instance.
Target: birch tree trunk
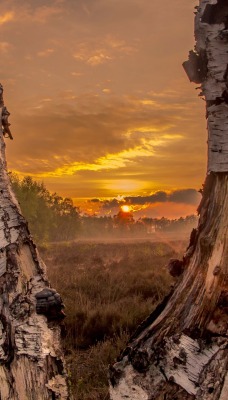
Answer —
(31, 363)
(181, 351)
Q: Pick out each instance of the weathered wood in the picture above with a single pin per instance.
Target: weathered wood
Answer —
(184, 344)
(181, 351)
(31, 362)
(211, 31)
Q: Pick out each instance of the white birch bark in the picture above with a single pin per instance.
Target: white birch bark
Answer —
(31, 363)
(181, 351)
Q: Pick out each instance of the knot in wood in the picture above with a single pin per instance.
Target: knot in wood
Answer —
(175, 267)
(183, 355)
(224, 35)
(217, 270)
(140, 360)
(115, 375)
(223, 300)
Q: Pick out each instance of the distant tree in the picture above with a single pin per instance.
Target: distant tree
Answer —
(65, 218)
(50, 216)
(34, 199)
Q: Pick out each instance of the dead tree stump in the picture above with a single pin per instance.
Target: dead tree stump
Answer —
(31, 363)
(181, 351)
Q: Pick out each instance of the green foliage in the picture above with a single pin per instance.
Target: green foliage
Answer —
(108, 289)
(50, 217)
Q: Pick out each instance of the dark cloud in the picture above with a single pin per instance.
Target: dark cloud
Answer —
(111, 204)
(158, 197)
(185, 196)
(188, 196)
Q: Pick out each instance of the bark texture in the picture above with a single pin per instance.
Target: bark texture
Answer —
(31, 363)
(181, 351)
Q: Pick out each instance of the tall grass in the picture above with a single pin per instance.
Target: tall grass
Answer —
(108, 289)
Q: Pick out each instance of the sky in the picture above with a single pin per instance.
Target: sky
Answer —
(101, 108)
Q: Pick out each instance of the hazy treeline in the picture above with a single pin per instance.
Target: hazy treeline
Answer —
(54, 218)
(124, 225)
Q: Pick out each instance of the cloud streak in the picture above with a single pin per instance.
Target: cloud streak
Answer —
(103, 50)
(122, 133)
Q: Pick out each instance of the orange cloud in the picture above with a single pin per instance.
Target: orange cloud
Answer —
(122, 145)
(99, 51)
(106, 90)
(45, 53)
(98, 59)
(120, 45)
(42, 14)
(24, 13)
(92, 57)
(4, 47)
(114, 160)
(7, 17)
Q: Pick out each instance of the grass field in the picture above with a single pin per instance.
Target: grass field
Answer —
(108, 289)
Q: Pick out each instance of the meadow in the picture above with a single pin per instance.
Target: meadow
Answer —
(108, 289)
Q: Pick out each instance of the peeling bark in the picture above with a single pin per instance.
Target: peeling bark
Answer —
(31, 362)
(181, 351)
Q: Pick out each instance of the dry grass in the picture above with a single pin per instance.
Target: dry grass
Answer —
(108, 289)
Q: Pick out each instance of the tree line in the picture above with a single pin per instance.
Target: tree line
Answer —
(53, 218)
(50, 216)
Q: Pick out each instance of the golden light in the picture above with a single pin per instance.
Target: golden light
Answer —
(126, 209)
(124, 186)
(8, 16)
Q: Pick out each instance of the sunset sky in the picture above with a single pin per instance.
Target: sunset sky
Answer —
(101, 109)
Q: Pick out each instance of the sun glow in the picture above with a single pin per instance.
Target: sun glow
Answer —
(126, 209)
